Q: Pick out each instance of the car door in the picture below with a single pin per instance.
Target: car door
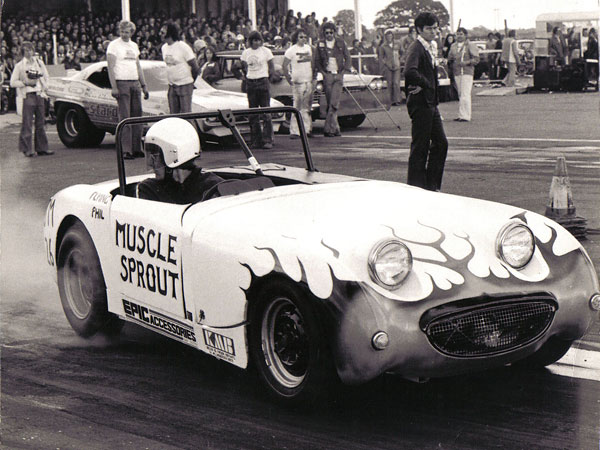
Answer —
(99, 104)
(146, 267)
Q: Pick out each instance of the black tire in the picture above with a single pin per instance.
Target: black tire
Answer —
(95, 137)
(81, 285)
(75, 128)
(549, 353)
(287, 345)
(351, 121)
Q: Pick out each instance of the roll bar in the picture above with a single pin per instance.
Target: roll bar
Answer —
(227, 119)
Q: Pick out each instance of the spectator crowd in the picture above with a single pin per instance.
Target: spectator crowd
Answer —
(84, 38)
(75, 40)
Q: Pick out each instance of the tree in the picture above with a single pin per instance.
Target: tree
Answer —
(401, 13)
(346, 18)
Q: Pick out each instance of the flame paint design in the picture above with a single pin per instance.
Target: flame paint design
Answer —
(440, 266)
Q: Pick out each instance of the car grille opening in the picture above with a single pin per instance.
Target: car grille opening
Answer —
(490, 329)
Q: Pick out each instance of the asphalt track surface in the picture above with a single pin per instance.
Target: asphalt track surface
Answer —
(144, 391)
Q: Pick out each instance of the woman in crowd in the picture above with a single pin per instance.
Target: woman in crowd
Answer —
(210, 69)
(450, 39)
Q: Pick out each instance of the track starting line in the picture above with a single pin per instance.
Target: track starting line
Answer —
(488, 139)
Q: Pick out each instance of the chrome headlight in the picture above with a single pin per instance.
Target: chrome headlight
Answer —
(515, 244)
(390, 262)
(376, 84)
(319, 87)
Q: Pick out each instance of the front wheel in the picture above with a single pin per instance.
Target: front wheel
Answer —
(81, 285)
(351, 121)
(287, 345)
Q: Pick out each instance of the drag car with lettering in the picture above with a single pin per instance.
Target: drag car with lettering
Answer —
(315, 277)
(85, 109)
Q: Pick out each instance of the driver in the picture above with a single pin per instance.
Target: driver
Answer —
(172, 150)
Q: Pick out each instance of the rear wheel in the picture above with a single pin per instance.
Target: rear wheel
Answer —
(287, 344)
(75, 128)
(351, 121)
(81, 285)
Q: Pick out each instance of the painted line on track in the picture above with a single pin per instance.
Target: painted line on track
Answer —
(578, 363)
(504, 139)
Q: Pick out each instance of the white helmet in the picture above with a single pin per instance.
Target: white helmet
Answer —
(177, 139)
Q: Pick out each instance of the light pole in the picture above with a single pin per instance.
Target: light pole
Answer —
(357, 24)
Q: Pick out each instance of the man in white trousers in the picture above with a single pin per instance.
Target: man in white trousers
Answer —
(463, 57)
(299, 58)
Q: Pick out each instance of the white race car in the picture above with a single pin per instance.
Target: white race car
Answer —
(315, 276)
(85, 109)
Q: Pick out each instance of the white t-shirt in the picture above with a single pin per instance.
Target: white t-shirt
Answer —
(300, 62)
(257, 61)
(127, 54)
(332, 65)
(176, 56)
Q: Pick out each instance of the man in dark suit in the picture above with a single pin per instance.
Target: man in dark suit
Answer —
(429, 145)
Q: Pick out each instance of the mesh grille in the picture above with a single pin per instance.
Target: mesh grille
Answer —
(490, 330)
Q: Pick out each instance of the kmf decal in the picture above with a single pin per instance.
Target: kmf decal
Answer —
(220, 346)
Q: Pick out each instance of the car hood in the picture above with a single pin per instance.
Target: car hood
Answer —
(212, 100)
(352, 80)
(324, 231)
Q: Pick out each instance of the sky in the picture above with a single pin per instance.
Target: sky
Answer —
(489, 13)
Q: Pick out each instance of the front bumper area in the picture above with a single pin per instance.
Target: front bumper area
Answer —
(558, 306)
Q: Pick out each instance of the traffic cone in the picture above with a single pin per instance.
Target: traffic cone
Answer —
(561, 208)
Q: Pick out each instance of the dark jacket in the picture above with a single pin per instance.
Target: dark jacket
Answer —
(592, 49)
(389, 57)
(558, 48)
(339, 51)
(193, 189)
(211, 72)
(419, 71)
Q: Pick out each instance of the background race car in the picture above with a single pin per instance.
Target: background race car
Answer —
(85, 109)
(356, 89)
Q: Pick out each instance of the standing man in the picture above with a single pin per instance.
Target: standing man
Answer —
(31, 78)
(510, 56)
(389, 66)
(463, 57)
(429, 145)
(557, 46)
(332, 60)
(257, 65)
(127, 82)
(182, 70)
(490, 44)
(299, 57)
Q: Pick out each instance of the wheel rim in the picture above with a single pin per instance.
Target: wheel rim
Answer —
(79, 286)
(285, 342)
(72, 123)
